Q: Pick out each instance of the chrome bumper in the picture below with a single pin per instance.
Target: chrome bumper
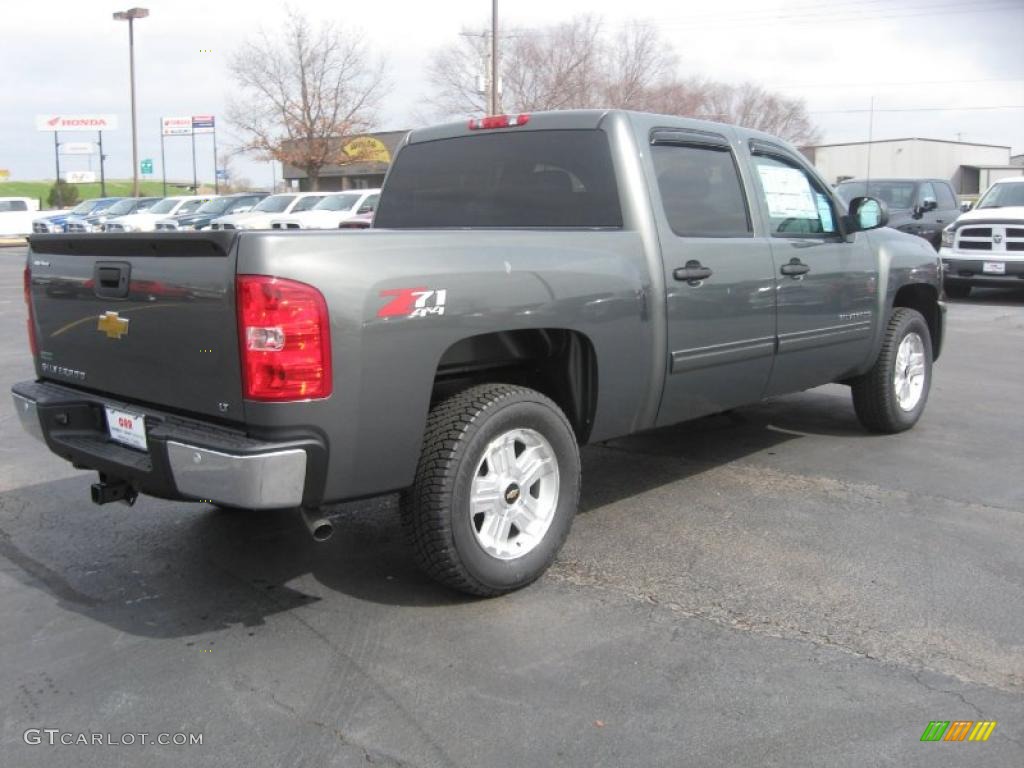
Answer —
(28, 414)
(261, 481)
(271, 480)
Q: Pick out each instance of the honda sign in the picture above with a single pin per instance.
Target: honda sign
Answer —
(76, 122)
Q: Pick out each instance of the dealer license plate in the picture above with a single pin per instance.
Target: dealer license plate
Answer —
(993, 268)
(127, 428)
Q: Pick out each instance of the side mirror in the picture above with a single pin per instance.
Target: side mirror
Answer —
(868, 213)
(242, 209)
(920, 209)
(965, 206)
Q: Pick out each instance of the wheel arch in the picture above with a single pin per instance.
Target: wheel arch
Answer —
(558, 362)
(923, 298)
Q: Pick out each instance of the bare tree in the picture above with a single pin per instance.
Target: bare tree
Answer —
(752, 106)
(559, 67)
(574, 65)
(636, 63)
(456, 73)
(305, 94)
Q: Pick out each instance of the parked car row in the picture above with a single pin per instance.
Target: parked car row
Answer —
(202, 216)
(332, 211)
(244, 210)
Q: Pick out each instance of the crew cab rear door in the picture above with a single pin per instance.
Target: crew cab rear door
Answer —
(827, 283)
(719, 277)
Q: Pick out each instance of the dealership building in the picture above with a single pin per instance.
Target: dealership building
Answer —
(970, 168)
(371, 155)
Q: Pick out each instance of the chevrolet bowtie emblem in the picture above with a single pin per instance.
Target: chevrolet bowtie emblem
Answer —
(113, 325)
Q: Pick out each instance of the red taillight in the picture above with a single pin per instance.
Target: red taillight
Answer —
(285, 339)
(32, 342)
(497, 121)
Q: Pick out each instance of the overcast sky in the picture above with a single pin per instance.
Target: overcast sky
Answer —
(952, 57)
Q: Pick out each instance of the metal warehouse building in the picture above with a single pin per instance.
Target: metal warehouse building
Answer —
(969, 167)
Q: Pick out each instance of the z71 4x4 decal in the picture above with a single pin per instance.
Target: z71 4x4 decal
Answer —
(413, 302)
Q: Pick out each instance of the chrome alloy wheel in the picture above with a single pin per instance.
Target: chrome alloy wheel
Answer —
(908, 378)
(514, 494)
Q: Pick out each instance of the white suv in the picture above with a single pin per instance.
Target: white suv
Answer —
(985, 246)
(331, 211)
(269, 208)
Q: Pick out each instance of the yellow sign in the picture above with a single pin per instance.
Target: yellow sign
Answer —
(4, 173)
(114, 326)
(367, 149)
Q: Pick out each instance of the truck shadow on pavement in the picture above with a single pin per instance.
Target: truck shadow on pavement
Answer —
(162, 569)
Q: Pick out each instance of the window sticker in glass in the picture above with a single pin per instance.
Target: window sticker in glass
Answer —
(787, 192)
(824, 212)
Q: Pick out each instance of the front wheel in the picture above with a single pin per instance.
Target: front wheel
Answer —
(892, 395)
(496, 489)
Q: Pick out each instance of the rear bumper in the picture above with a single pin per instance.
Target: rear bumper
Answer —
(186, 459)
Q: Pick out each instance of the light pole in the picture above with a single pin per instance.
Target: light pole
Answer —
(130, 16)
(495, 104)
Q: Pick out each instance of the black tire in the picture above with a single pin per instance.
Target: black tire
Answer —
(957, 290)
(435, 510)
(874, 393)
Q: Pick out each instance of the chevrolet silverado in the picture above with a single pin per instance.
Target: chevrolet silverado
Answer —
(531, 283)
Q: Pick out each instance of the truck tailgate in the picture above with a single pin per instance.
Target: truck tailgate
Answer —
(147, 318)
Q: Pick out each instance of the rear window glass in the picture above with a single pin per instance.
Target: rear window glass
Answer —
(509, 179)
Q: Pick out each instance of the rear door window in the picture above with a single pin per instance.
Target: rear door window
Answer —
(701, 191)
(12, 205)
(508, 179)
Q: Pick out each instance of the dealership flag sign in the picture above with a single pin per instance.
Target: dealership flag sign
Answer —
(202, 124)
(76, 122)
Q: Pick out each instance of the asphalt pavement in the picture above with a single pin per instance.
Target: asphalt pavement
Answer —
(771, 587)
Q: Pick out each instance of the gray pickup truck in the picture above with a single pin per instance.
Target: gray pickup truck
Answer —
(531, 283)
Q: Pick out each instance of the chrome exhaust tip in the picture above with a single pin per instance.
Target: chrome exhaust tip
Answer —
(319, 527)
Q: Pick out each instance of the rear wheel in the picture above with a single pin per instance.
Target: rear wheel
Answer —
(957, 290)
(496, 489)
(892, 395)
